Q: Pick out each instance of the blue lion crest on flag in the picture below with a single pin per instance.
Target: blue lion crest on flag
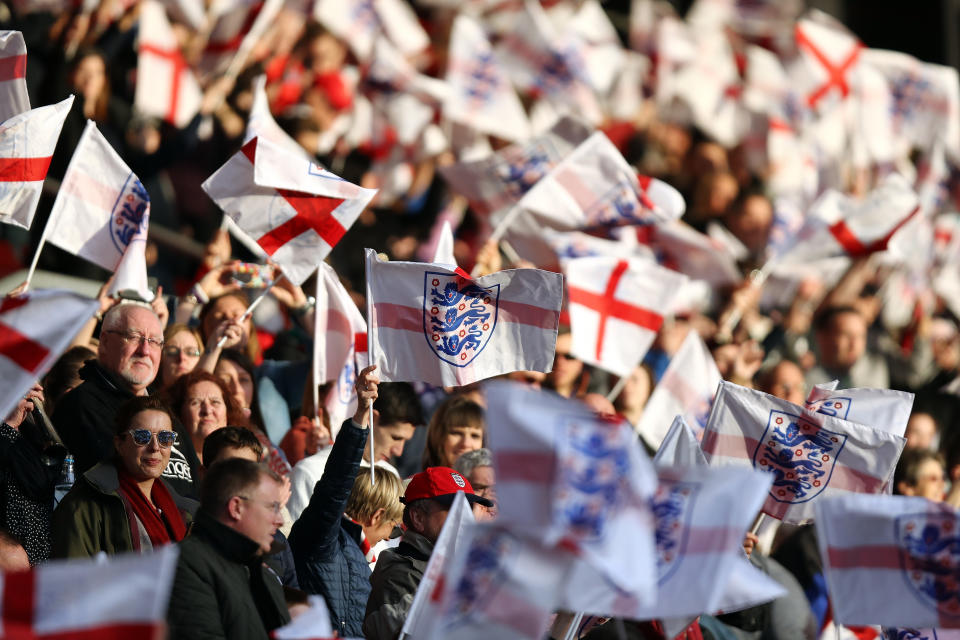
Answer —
(459, 316)
(930, 559)
(672, 508)
(483, 573)
(618, 206)
(345, 382)
(893, 633)
(521, 168)
(594, 467)
(836, 407)
(800, 454)
(129, 216)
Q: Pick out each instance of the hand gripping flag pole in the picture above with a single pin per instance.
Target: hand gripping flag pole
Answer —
(250, 309)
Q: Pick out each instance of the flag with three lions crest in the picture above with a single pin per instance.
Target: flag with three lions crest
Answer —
(435, 324)
(891, 560)
(810, 454)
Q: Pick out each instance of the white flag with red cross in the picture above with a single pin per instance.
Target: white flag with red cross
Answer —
(810, 454)
(481, 95)
(617, 306)
(685, 389)
(891, 560)
(292, 207)
(35, 329)
(434, 324)
(27, 142)
(339, 328)
(102, 209)
(884, 409)
(166, 86)
(829, 58)
(595, 187)
(856, 228)
(13, 73)
(125, 596)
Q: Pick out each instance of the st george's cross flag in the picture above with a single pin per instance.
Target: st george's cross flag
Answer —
(27, 142)
(884, 409)
(829, 58)
(568, 478)
(125, 596)
(166, 86)
(35, 329)
(13, 73)
(102, 209)
(686, 389)
(891, 560)
(679, 447)
(481, 95)
(617, 306)
(809, 454)
(594, 187)
(435, 324)
(855, 228)
(293, 208)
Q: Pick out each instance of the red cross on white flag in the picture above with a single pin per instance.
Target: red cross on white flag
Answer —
(617, 306)
(295, 209)
(13, 73)
(830, 55)
(166, 87)
(34, 330)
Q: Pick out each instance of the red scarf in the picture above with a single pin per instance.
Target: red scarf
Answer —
(365, 548)
(162, 522)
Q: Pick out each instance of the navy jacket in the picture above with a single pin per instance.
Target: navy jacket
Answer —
(326, 546)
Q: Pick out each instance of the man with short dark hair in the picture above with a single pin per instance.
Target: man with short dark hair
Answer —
(222, 588)
(394, 582)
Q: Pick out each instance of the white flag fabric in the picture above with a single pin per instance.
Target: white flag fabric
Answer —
(101, 207)
(567, 477)
(693, 253)
(426, 602)
(907, 633)
(360, 22)
(679, 447)
(884, 409)
(13, 73)
(131, 273)
(444, 253)
(810, 454)
(125, 596)
(339, 327)
(35, 329)
(685, 389)
(166, 86)
(829, 58)
(295, 209)
(312, 624)
(261, 124)
(595, 187)
(617, 306)
(890, 560)
(577, 244)
(481, 95)
(437, 325)
(27, 142)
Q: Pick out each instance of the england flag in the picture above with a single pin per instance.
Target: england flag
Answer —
(809, 454)
(679, 447)
(883, 409)
(13, 73)
(434, 324)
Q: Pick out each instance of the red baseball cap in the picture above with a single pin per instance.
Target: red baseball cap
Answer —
(440, 484)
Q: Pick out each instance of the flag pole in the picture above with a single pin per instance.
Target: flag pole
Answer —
(250, 309)
(313, 373)
(498, 233)
(370, 351)
(757, 278)
(617, 388)
(757, 522)
(574, 625)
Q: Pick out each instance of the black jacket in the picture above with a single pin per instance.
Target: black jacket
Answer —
(222, 589)
(326, 546)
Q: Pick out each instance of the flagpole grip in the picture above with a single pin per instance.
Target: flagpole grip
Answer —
(574, 625)
(617, 388)
(253, 305)
(373, 460)
(758, 522)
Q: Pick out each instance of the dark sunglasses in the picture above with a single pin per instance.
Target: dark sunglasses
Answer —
(142, 437)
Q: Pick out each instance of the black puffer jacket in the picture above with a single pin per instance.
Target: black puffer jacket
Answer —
(326, 546)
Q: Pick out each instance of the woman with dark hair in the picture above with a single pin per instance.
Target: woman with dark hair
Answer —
(221, 317)
(457, 426)
(203, 404)
(122, 504)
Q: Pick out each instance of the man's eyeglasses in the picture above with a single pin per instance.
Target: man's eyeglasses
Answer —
(273, 506)
(174, 352)
(142, 437)
(130, 337)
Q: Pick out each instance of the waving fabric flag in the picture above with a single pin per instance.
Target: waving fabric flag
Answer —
(295, 209)
(686, 389)
(444, 253)
(102, 208)
(481, 95)
(339, 328)
(617, 306)
(830, 56)
(692, 253)
(166, 87)
(810, 454)
(262, 125)
(360, 22)
(13, 73)
(679, 447)
(890, 560)
(883, 409)
(431, 323)
(595, 187)
(27, 142)
(124, 597)
(35, 329)
(312, 624)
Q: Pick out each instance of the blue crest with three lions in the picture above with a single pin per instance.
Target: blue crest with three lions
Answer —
(672, 508)
(800, 454)
(837, 407)
(459, 316)
(930, 559)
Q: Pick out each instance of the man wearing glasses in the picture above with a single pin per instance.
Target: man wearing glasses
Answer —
(131, 342)
(222, 588)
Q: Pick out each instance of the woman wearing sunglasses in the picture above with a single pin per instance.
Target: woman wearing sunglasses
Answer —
(122, 504)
